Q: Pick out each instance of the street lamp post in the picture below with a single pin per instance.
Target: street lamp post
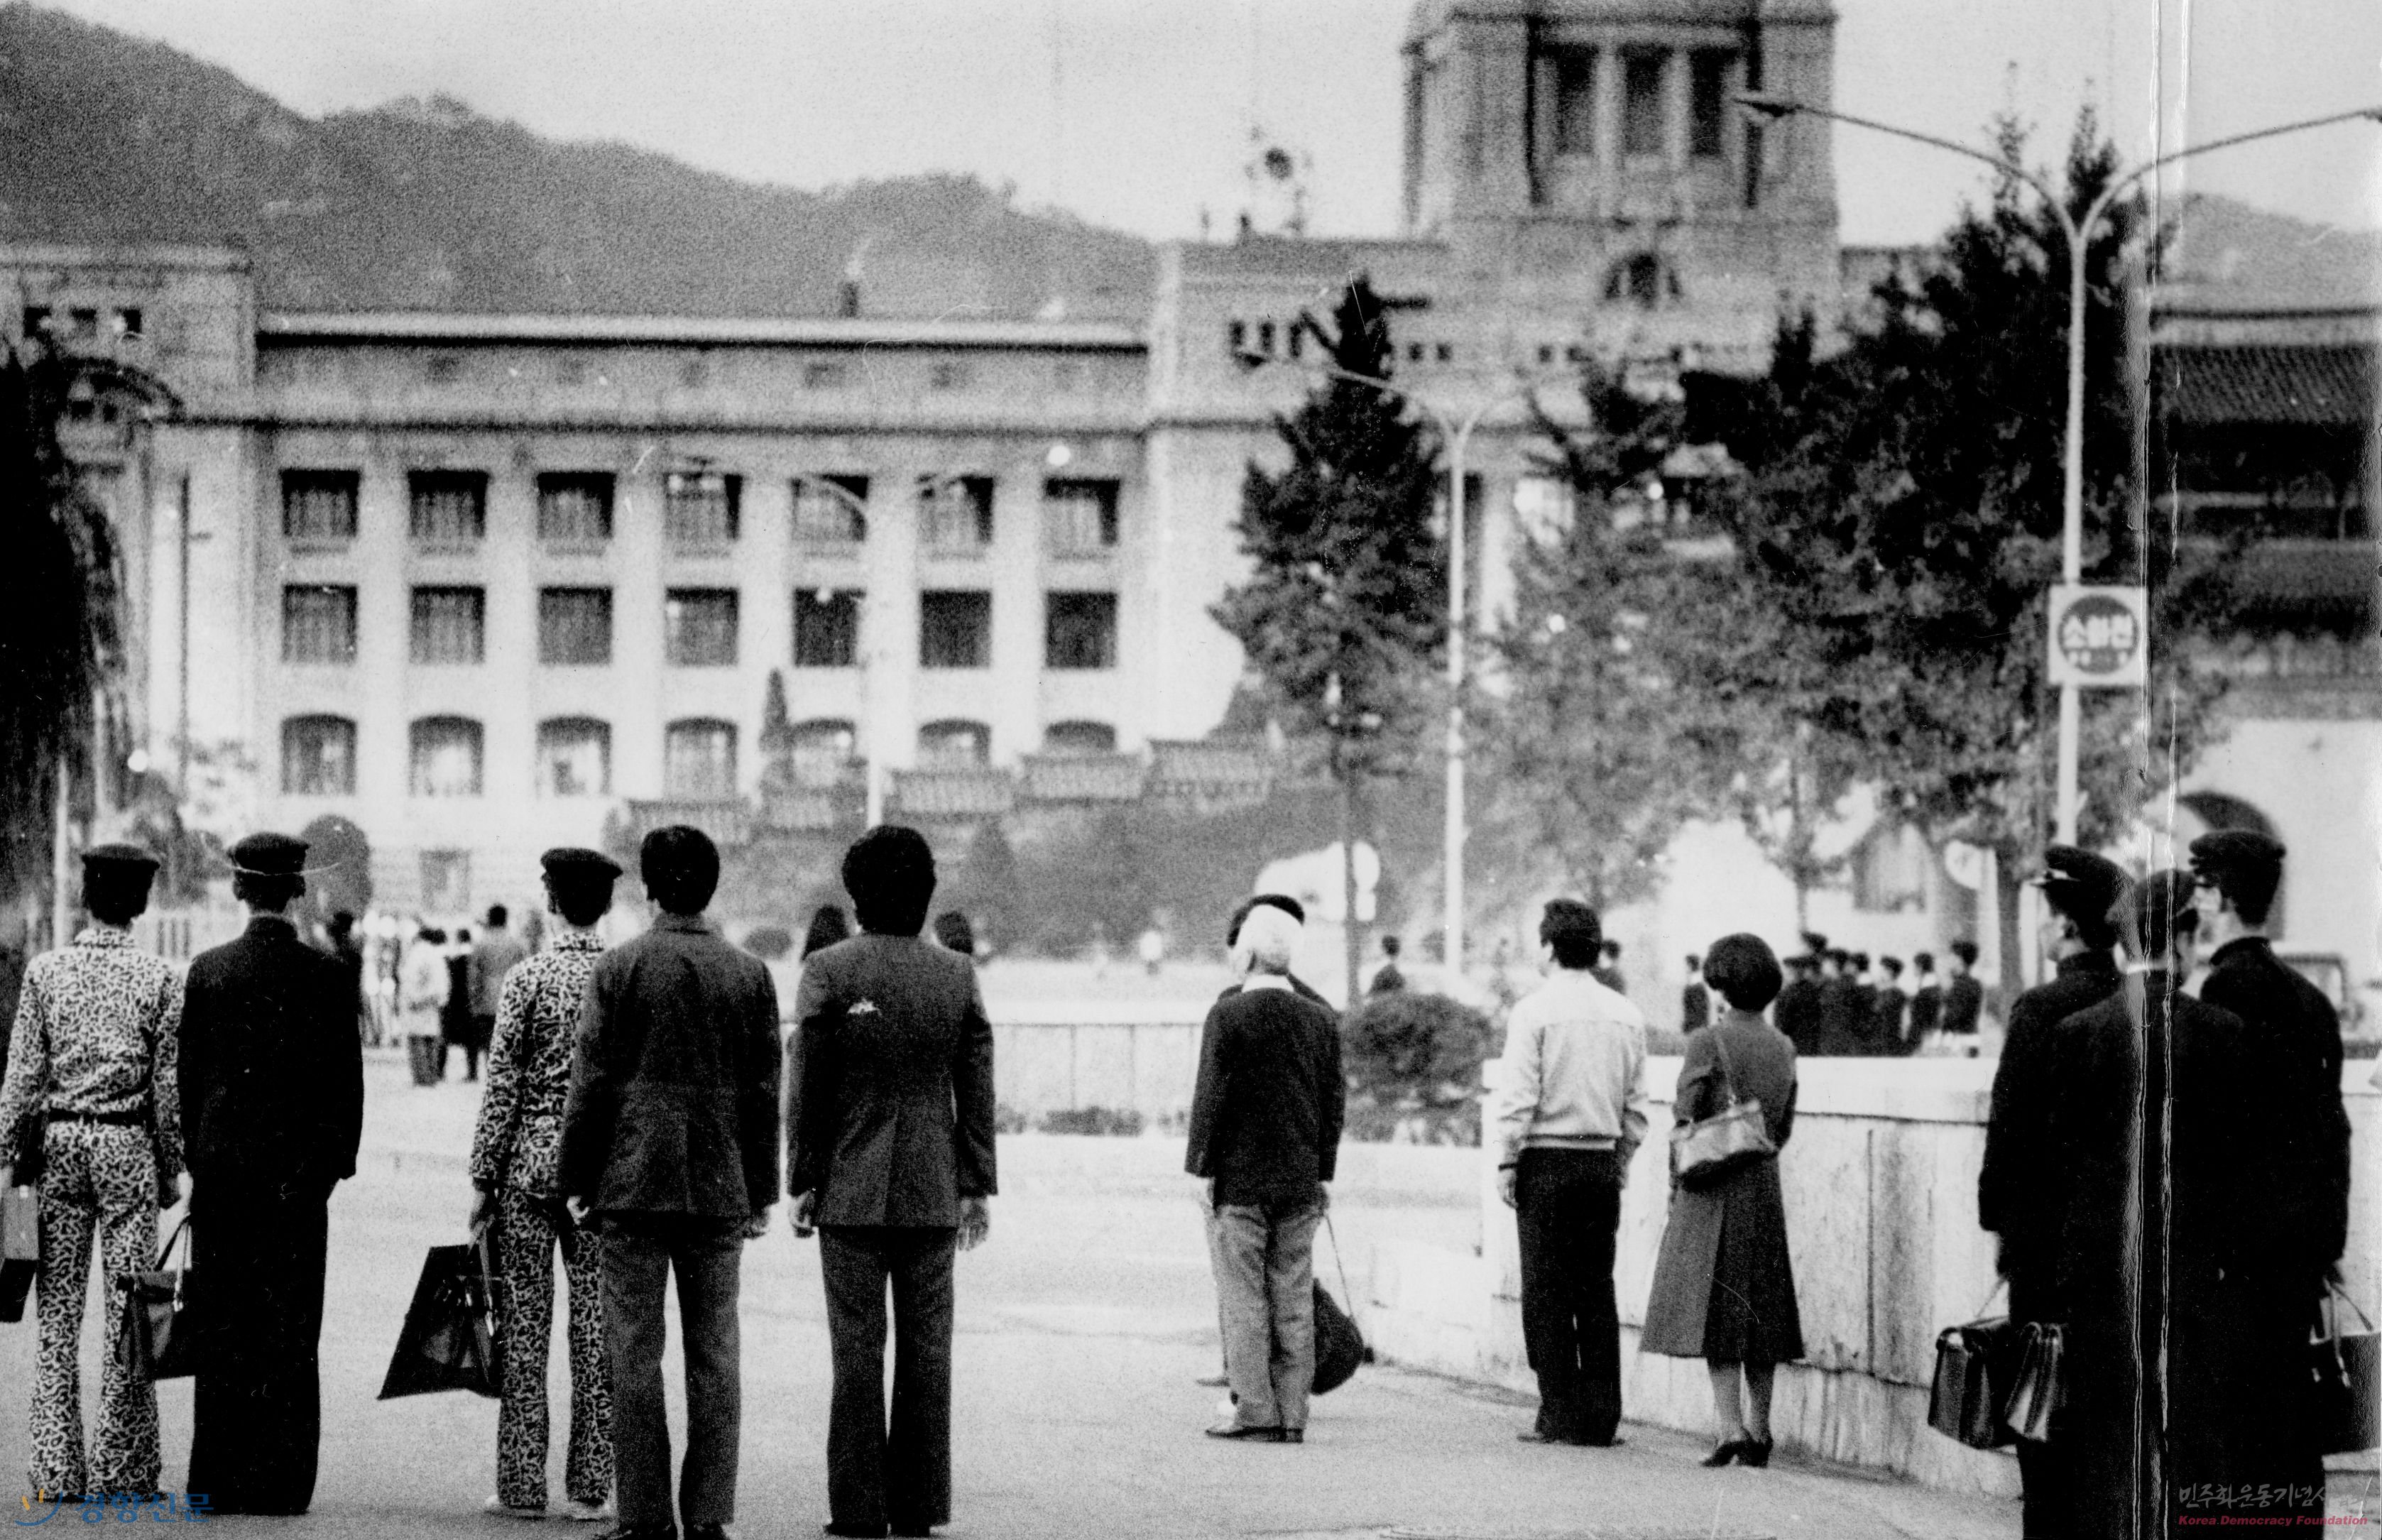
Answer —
(2078, 233)
(1456, 431)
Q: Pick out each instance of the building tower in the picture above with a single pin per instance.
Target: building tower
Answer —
(1585, 157)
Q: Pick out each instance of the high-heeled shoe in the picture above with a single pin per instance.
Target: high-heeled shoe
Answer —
(1732, 1449)
(1755, 1452)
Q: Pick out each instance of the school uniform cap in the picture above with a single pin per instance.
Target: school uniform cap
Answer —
(577, 861)
(2078, 883)
(2228, 851)
(270, 855)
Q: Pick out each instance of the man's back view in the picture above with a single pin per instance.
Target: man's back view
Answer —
(670, 1139)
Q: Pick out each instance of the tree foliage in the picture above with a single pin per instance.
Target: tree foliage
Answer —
(1900, 524)
(60, 593)
(1347, 578)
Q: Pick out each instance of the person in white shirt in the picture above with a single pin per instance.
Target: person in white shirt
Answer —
(1570, 1111)
(422, 981)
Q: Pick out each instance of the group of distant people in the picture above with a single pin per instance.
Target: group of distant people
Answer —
(1840, 1004)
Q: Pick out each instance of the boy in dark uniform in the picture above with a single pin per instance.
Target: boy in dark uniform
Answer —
(2019, 1189)
(273, 1103)
(2294, 1030)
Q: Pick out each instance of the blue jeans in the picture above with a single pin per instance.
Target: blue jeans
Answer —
(1265, 1283)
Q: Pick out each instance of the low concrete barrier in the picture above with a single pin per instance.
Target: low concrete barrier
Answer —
(1881, 1189)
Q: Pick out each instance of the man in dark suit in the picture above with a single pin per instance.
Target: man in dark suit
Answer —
(272, 1102)
(1964, 997)
(1265, 1134)
(1843, 1027)
(1926, 999)
(1695, 997)
(2295, 1034)
(2021, 1191)
(669, 1142)
(1886, 1005)
(890, 1145)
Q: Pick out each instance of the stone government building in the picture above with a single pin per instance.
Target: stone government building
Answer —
(477, 581)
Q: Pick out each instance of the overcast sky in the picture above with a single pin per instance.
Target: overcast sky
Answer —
(1139, 113)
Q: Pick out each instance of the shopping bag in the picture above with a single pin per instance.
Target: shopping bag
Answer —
(20, 1242)
(158, 1330)
(1340, 1347)
(2347, 1368)
(448, 1339)
(2039, 1384)
(1974, 1368)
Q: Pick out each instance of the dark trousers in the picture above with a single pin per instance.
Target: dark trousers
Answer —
(640, 1254)
(883, 1473)
(257, 1258)
(1568, 1206)
(2048, 1505)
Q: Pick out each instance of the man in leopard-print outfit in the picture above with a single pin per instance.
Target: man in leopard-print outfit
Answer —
(515, 1153)
(92, 1057)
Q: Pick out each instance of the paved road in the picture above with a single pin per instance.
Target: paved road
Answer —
(1082, 1328)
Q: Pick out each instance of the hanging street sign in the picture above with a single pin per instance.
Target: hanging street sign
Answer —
(2100, 636)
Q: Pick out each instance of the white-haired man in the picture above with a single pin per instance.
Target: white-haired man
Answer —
(1265, 1135)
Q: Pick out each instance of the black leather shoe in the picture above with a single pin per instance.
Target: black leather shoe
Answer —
(1731, 1448)
(639, 1532)
(1755, 1453)
(707, 1532)
(1291, 1435)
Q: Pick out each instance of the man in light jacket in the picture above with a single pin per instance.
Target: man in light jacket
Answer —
(1570, 1111)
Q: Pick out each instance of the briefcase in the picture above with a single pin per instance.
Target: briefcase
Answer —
(20, 1242)
(2039, 1384)
(2347, 1368)
(1973, 1374)
(158, 1330)
(448, 1339)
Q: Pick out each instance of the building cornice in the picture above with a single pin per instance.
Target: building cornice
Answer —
(415, 326)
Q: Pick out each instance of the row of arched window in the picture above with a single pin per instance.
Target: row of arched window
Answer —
(446, 756)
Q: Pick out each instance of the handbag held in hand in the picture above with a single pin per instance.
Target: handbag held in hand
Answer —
(448, 1339)
(2038, 1384)
(159, 1333)
(2346, 1369)
(1704, 1152)
(1975, 1364)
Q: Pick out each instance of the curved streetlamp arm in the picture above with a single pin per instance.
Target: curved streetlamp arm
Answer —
(2117, 188)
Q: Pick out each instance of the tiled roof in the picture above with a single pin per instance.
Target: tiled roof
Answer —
(954, 794)
(1080, 777)
(1204, 765)
(809, 809)
(2315, 385)
(728, 821)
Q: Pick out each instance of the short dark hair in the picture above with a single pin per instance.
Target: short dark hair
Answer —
(1861, 960)
(1838, 955)
(889, 872)
(681, 867)
(952, 929)
(1745, 971)
(1893, 965)
(2159, 909)
(1391, 945)
(1694, 962)
(1923, 961)
(1281, 901)
(1572, 928)
(1966, 951)
(829, 925)
(499, 914)
(1613, 949)
(115, 894)
(2250, 888)
(265, 891)
(581, 895)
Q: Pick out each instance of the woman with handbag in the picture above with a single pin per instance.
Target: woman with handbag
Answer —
(90, 1100)
(1724, 1288)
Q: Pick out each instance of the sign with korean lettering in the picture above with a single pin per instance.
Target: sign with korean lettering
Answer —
(2100, 636)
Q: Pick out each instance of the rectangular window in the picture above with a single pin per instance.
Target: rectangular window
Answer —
(448, 507)
(129, 322)
(445, 882)
(699, 626)
(1079, 631)
(954, 746)
(1575, 103)
(699, 762)
(318, 756)
(1079, 516)
(1707, 101)
(831, 510)
(956, 629)
(574, 758)
(956, 511)
(445, 756)
(574, 506)
(318, 505)
(449, 625)
(701, 508)
(1643, 105)
(574, 627)
(318, 623)
(827, 628)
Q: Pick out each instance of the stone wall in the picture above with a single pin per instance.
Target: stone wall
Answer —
(1881, 1184)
